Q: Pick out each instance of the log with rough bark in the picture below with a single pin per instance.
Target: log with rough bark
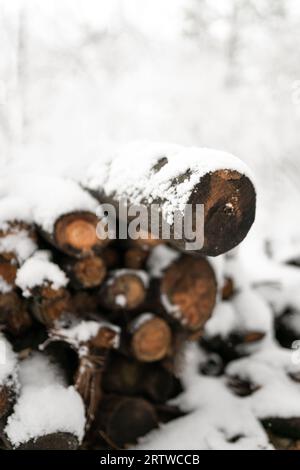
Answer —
(44, 283)
(14, 314)
(65, 214)
(91, 340)
(172, 177)
(124, 290)
(126, 375)
(188, 291)
(122, 420)
(85, 273)
(149, 338)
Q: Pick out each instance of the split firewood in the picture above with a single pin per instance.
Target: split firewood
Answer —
(188, 291)
(14, 314)
(149, 338)
(91, 340)
(124, 289)
(171, 177)
(43, 282)
(126, 375)
(122, 420)
(56, 418)
(85, 273)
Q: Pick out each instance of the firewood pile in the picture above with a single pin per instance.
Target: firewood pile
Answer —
(93, 330)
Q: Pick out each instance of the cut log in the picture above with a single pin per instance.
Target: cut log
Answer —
(85, 273)
(51, 305)
(150, 338)
(122, 420)
(188, 291)
(53, 441)
(124, 290)
(14, 316)
(125, 375)
(91, 341)
(135, 258)
(75, 234)
(285, 427)
(172, 177)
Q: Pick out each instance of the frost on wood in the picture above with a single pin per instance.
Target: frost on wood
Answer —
(37, 271)
(45, 405)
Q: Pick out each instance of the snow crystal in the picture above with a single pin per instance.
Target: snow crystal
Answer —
(128, 173)
(36, 271)
(45, 405)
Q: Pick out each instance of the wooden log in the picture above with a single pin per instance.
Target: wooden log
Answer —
(91, 341)
(75, 234)
(285, 427)
(122, 420)
(135, 258)
(125, 375)
(188, 291)
(51, 305)
(124, 290)
(85, 273)
(53, 441)
(173, 177)
(14, 315)
(150, 338)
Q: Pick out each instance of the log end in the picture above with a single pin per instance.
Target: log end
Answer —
(152, 340)
(189, 285)
(76, 233)
(229, 200)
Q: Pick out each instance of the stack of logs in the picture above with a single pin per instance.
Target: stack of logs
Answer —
(114, 314)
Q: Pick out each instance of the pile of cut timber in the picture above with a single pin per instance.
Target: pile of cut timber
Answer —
(93, 329)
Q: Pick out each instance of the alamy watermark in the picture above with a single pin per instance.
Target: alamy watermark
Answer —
(144, 222)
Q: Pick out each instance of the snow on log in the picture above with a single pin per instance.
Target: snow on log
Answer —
(64, 212)
(47, 414)
(173, 176)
